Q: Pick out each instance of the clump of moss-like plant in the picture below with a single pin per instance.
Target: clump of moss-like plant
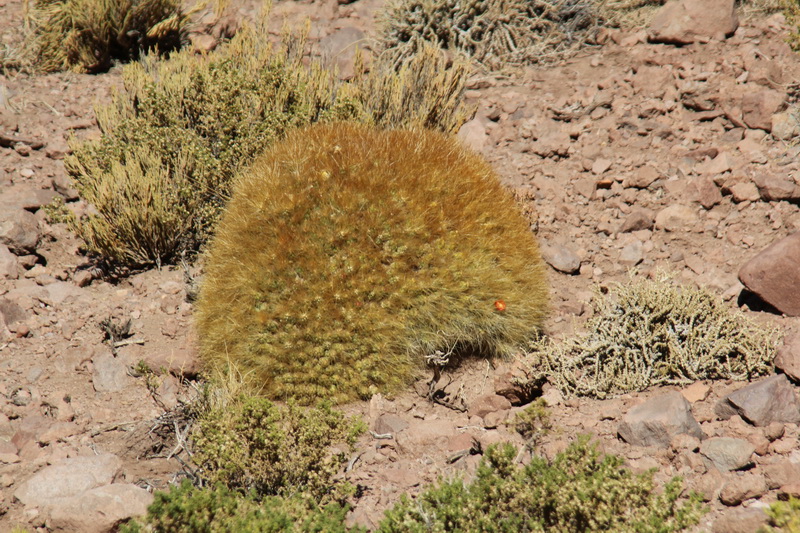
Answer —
(784, 517)
(651, 332)
(581, 490)
(85, 35)
(349, 256)
(175, 136)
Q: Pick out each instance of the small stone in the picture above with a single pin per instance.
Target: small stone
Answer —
(706, 192)
(758, 108)
(658, 420)
(726, 453)
(676, 218)
(67, 478)
(632, 254)
(785, 126)
(740, 521)
(600, 166)
(389, 423)
(774, 431)
(561, 258)
(489, 403)
(638, 219)
(110, 374)
(641, 178)
(787, 358)
(473, 134)
(98, 510)
(686, 21)
(696, 392)
(745, 192)
(19, 230)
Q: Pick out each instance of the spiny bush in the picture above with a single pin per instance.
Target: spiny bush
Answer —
(249, 444)
(187, 509)
(581, 490)
(85, 35)
(651, 332)
(496, 33)
(173, 139)
(783, 517)
(348, 255)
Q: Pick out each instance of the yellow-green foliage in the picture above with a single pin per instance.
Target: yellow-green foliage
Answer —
(495, 33)
(784, 517)
(533, 421)
(254, 446)
(187, 509)
(582, 490)
(651, 332)
(173, 139)
(348, 254)
(85, 35)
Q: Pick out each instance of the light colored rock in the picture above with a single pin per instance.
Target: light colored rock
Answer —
(632, 254)
(473, 134)
(561, 258)
(696, 392)
(676, 217)
(727, 454)
(637, 219)
(9, 267)
(775, 188)
(745, 191)
(389, 423)
(761, 403)
(686, 21)
(785, 125)
(740, 521)
(741, 487)
(98, 510)
(68, 478)
(110, 374)
(489, 403)
(774, 274)
(658, 420)
(706, 192)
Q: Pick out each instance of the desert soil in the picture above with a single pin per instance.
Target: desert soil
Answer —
(596, 178)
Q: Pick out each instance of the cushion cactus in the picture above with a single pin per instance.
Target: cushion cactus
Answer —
(348, 255)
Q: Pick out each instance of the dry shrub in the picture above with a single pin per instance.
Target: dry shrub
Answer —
(85, 35)
(173, 139)
(349, 255)
(495, 33)
(651, 332)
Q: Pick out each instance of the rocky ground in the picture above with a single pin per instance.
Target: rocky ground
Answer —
(631, 153)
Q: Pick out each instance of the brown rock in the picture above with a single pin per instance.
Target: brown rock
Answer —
(685, 21)
(787, 359)
(638, 219)
(774, 274)
(758, 108)
(726, 454)
(68, 478)
(473, 134)
(641, 178)
(781, 473)
(696, 392)
(761, 403)
(389, 423)
(785, 125)
(741, 487)
(745, 191)
(9, 267)
(561, 258)
(706, 192)
(775, 188)
(19, 230)
(490, 403)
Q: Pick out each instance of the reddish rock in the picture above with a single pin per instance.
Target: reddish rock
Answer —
(686, 21)
(787, 359)
(638, 219)
(706, 192)
(9, 266)
(781, 473)
(775, 188)
(68, 478)
(389, 423)
(774, 275)
(676, 218)
(740, 521)
(490, 403)
(745, 191)
(758, 108)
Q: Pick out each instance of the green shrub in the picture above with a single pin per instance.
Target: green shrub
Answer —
(533, 421)
(783, 517)
(251, 444)
(581, 490)
(496, 33)
(85, 35)
(186, 509)
(180, 130)
(651, 332)
(348, 255)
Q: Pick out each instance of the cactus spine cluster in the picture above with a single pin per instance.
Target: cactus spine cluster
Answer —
(349, 254)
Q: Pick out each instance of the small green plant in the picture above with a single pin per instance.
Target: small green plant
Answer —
(57, 212)
(187, 509)
(253, 445)
(784, 517)
(533, 422)
(175, 136)
(651, 332)
(85, 35)
(349, 256)
(581, 490)
(495, 33)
